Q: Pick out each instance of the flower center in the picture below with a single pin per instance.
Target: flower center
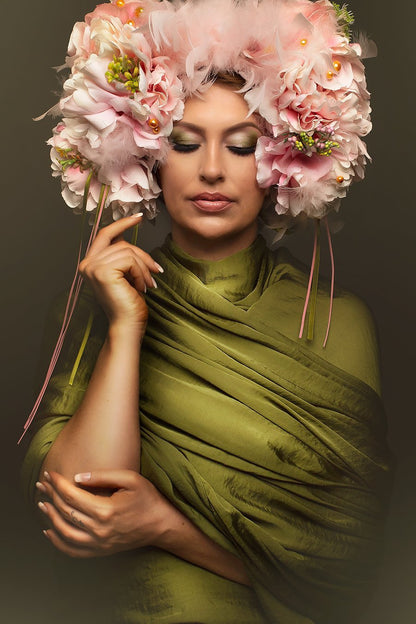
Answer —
(72, 158)
(318, 141)
(126, 71)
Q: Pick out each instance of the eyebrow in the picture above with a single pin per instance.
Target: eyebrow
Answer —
(200, 130)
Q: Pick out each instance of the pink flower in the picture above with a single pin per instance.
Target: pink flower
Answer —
(118, 108)
(100, 91)
(120, 166)
(92, 35)
(306, 183)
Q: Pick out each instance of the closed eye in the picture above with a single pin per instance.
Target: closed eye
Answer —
(242, 151)
(187, 148)
(184, 147)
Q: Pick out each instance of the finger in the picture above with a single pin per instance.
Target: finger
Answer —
(115, 479)
(71, 515)
(107, 234)
(72, 529)
(77, 552)
(140, 276)
(137, 251)
(73, 497)
(126, 263)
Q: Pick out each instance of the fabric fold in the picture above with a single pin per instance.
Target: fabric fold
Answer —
(264, 441)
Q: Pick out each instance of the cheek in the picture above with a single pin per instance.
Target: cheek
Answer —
(248, 181)
(174, 175)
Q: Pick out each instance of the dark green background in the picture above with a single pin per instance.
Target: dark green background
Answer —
(374, 257)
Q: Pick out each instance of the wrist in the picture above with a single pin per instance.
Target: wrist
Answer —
(120, 331)
(179, 536)
(166, 524)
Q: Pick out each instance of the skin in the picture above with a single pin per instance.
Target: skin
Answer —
(222, 133)
(116, 508)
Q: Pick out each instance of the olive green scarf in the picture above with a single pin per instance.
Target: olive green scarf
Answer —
(263, 440)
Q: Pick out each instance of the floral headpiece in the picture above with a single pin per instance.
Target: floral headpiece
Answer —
(132, 64)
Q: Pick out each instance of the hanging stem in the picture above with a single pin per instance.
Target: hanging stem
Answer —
(315, 280)
(135, 235)
(98, 214)
(82, 348)
(72, 297)
(308, 293)
(332, 280)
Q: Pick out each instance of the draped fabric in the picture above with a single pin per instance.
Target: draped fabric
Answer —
(273, 446)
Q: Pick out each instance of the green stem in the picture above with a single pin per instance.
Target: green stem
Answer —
(135, 235)
(82, 348)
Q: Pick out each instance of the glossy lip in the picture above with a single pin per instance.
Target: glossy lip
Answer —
(211, 202)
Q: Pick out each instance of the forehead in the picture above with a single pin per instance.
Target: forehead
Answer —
(218, 107)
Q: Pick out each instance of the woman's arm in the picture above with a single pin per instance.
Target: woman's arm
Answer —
(104, 434)
(85, 525)
(104, 431)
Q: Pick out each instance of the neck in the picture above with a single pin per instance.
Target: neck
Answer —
(205, 248)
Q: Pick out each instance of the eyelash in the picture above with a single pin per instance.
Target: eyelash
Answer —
(192, 147)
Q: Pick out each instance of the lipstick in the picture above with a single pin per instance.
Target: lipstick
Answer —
(211, 202)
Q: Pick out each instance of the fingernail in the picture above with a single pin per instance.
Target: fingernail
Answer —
(42, 507)
(45, 533)
(145, 289)
(82, 476)
(47, 476)
(137, 215)
(40, 486)
(154, 283)
(161, 269)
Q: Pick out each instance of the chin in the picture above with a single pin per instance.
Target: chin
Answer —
(215, 231)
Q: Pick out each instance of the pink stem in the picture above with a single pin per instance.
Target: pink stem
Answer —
(69, 310)
(309, 285)
(332, 280)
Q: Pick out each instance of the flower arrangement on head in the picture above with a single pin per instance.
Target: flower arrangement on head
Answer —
(133, 64)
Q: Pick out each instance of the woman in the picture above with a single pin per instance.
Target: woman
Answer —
(253, 488)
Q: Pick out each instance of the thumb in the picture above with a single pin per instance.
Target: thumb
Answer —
(116, 479)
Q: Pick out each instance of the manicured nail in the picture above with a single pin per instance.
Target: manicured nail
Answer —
(46, 534)
(161, 269)
(154, 283)
(137, 215)
(40, 486)
(82, 477)
(42, 507)
(47, 476)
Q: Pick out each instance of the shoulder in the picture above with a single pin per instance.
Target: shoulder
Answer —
(353, 343)
(356, 343)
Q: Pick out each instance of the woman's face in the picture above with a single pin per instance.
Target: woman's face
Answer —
(209, 177)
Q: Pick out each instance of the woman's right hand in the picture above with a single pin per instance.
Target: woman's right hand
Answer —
(120, 273)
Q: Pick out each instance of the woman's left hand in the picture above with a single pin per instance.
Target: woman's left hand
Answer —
(83, 524)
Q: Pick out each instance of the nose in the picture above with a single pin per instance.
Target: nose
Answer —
(211, 166)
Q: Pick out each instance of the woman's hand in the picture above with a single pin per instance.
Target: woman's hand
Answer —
(136, 514)
(83, 524)
(119, 273)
